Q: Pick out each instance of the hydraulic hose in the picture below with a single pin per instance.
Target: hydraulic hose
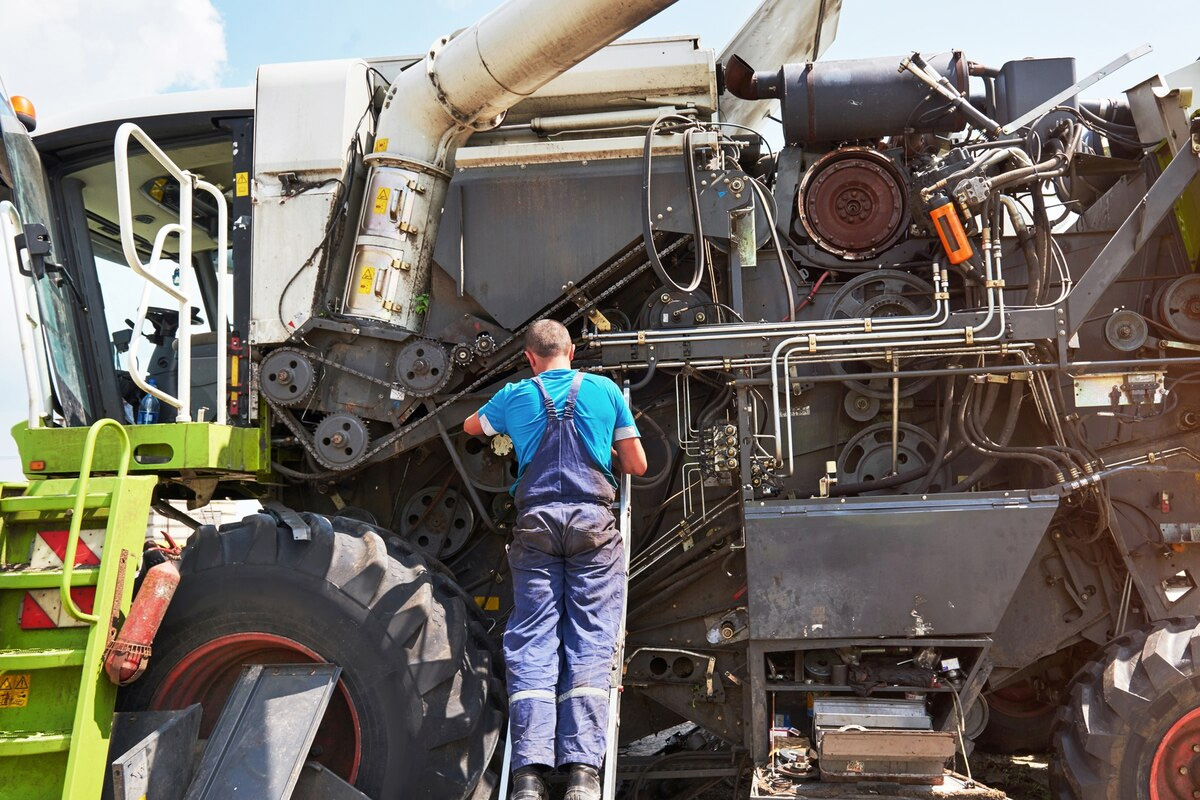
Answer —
(1016, 394)
(1027, 240)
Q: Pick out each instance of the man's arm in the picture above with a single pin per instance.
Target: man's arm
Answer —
(631, 457)
(473, 426)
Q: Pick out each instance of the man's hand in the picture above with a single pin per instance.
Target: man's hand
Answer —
(473, 426)
(631, 458)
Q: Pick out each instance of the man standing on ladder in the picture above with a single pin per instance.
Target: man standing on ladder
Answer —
(567, 560)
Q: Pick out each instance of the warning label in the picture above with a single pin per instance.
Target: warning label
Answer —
(381, 200)
(241, 183)
(381, 145)
(14, 691)
(366, 280)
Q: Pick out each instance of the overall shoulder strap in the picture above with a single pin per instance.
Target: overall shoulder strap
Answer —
(546, 401)
(569, 408)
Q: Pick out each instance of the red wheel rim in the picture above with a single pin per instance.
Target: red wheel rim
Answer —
(207, 674)
(1019, 700)
(1175, 772)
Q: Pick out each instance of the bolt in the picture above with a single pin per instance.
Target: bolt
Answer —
(700, 316)
(669, 209)
(1196, 748)
(664, 298)
(1183, 770)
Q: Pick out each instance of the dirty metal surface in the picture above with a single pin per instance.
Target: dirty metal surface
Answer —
(153, 754)
(904, 565)
(264, 733)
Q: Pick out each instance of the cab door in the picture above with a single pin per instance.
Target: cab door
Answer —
(57, 376)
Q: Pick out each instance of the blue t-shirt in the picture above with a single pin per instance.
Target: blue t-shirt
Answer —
(601, 416)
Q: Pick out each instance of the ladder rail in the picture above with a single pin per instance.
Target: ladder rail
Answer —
(85, 477)
(625, 524)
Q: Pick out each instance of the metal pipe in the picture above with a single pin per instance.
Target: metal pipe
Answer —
(464, 84)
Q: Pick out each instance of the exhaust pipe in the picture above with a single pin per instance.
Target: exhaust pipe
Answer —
(466, 83)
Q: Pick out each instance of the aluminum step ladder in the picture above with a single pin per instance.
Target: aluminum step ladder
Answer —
(69, 553)
(609, 772)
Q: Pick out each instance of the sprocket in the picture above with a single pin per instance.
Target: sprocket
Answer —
(341, 441)
(423, 367)
(289, 376)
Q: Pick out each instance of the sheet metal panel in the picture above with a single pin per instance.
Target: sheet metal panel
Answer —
(905, 565)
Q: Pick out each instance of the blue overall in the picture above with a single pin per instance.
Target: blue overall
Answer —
(568, 568)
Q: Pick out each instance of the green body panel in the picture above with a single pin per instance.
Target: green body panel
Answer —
(1187, 213)
(54, 741)
(198, 447)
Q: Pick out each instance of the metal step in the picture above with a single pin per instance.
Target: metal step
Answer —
(28, 743)
(53, 502)
(46, 578)
(12, 660)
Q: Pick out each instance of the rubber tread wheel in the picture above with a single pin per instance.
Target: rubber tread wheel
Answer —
(418, 671)
(1123, 714)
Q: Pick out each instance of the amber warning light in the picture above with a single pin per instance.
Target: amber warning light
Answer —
(37, 466)
(23, 107)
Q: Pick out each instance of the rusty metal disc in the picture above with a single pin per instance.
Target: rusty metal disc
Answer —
(853, 203)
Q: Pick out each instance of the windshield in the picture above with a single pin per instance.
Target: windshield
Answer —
(21, 172)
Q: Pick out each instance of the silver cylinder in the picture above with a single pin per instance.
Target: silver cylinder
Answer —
(465, 83)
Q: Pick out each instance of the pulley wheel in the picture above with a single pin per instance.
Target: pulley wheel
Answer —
(422, 367)
(341, 440)
(1179, 307)
(1126, 330)
(882, 294)
(868, 455)
(287, 377)
(860, 407)
(488, 470)
(438, 521)
(853, 203)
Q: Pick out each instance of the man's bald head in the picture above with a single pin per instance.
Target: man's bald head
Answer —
(548, 338)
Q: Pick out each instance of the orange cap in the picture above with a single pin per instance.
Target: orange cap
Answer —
(25, 110)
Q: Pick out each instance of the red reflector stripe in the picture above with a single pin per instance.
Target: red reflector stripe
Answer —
(41, 609)
(57, 541)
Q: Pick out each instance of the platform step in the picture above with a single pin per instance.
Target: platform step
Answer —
(45, 578)
(53, 502)
(13, 660)
(29, 743)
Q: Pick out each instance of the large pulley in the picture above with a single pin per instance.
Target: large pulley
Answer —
(881, 294)
(871, 454)
(491, 464)
(438, 521)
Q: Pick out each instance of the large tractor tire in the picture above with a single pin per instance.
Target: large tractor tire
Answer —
(1131, 730)
(419, 708)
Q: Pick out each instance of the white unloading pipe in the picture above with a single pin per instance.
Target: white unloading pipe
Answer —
(465, 83)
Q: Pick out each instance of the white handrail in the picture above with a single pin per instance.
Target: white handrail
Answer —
(188, 291)
(28, 314)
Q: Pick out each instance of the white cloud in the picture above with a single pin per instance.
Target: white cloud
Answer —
(69, 54)
(66, 54)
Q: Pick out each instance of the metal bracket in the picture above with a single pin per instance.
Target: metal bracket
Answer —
(288, 519)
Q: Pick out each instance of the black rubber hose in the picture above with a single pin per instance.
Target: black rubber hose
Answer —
(1016, 394)
(943, 441)
(647, 224)
(979, 433)
(643, 482)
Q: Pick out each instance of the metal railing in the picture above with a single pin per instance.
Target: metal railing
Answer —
(28, 315)
(77, 511)
(188, 292)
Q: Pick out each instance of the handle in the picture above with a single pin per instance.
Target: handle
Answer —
(85, 476)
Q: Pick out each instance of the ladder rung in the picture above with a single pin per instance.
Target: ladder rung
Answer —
(46, 578)
(40, 659)
(29, 743)
(53, 502)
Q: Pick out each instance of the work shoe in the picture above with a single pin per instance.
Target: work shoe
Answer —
(583, 783)
(528, 785)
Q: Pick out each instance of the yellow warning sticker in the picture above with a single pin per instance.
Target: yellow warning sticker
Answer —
(241, 184)
(381, 145)
(488, 603)
(381, 200)
(366, 280)
(14, 691)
